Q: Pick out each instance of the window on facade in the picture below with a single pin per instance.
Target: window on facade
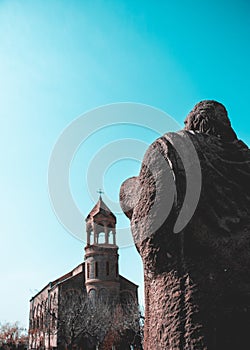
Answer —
(46, 304)
(107, 268)
(54, 300)
(92, 295)
(116, 269)
(96, 269)
(87, 270)
(34, 312)
(103, 294)
(53, 321)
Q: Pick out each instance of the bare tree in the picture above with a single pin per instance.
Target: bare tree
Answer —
(76, 318)
(80, 318)
(13, 335)
(126, 326)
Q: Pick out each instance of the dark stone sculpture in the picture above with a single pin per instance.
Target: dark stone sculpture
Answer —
(197, 276)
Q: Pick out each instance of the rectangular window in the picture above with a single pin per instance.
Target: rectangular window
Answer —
(107, 268)
(96, 269)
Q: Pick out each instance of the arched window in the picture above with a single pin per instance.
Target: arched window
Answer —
(103, 294)
(54, 300)
(34, 312)
(38, 309)
(107, 268)
(53, 319)
(88, 270)
(46, 306)
(42, 313)
(92, 295)
(96, 269)
(101, 238)
(41, 321)
(51, 302)
(38, 313)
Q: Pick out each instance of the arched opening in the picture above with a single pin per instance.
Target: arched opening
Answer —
(107, 268)
(96, 269)
(103, 294)
(88, 270)
(101, 238)
(116, 269)
(92, 295)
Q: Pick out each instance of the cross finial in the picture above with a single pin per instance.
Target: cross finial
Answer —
(100, 192)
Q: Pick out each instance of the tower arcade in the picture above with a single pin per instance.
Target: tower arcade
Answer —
(101, 253)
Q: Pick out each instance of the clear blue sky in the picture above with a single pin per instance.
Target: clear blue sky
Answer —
(59, 59)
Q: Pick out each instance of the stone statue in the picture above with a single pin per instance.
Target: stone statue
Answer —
(195, 250)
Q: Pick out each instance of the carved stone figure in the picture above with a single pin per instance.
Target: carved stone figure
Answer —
(190, 219)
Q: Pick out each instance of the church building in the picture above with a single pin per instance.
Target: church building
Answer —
(62, 307)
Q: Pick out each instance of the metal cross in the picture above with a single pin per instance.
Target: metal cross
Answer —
(100, 192)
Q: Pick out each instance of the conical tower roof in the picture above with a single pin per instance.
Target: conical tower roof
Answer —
(102, 209)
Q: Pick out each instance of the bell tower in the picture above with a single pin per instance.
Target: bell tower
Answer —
(101, 253)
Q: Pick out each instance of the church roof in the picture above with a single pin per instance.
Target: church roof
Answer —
(79, 271)
(100, 208)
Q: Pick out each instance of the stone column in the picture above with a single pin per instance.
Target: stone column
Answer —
(114, 236)
(95, 234)
(88, 238)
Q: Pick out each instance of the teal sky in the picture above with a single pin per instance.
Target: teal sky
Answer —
(59, 59)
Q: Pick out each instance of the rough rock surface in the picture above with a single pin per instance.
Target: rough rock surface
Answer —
(197, 281)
